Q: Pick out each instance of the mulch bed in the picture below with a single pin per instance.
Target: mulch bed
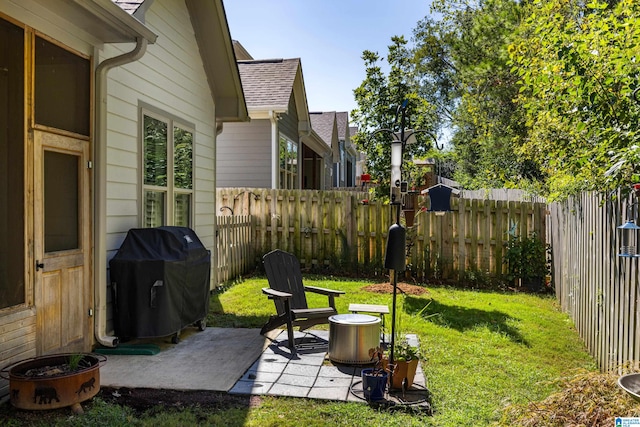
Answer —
(405, 288)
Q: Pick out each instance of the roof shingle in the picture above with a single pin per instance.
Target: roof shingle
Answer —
(342, 118)
(268, 82)
(323, 123)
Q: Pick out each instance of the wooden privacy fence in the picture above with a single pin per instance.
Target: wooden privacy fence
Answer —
(334, 229)
(594, 285)
(235, 254)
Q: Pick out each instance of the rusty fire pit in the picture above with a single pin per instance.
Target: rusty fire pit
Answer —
(48, 382)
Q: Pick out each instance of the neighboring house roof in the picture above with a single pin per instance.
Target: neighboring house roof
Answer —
(325, 125)
(268, 83)
(241, 53)
(344, 133)
(342, 119)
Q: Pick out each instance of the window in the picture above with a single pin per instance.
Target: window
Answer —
(62, 88)
(288, 163)
(168, 172)
(12, 167)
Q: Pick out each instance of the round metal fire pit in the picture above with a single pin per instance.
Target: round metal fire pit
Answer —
(53, 388)
(351, 336)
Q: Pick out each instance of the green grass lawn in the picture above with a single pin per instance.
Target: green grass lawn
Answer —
(482, 351)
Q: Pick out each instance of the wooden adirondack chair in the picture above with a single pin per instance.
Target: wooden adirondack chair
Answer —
(288, 293)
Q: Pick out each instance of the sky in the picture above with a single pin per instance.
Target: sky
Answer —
(328, 36)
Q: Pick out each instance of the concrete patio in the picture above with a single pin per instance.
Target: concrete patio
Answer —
(241, 361)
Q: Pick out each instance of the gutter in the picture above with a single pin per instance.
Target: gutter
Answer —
(100, 189)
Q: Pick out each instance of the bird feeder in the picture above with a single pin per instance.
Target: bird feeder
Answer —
(628, 236)
(629, 230)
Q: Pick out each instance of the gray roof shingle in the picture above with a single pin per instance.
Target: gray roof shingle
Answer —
(343, 123)
(268, 82)
(323, 123)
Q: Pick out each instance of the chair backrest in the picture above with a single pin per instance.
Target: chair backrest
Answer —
(283, 273)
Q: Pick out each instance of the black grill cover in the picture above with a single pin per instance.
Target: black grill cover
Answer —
(160, 278)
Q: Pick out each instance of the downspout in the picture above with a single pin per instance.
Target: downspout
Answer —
(215, 279)
(100, 188)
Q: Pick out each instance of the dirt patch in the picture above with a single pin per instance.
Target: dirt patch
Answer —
(140, 400)
(405, 288)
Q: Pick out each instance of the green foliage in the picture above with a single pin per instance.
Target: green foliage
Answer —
(74, 360)
(462, 62)
(541, 95)
(378, 98)
(403, 351)
(526, 258)
(155, 152)
(100, 413)
(183, 158)
(481, 352)
(577, 68)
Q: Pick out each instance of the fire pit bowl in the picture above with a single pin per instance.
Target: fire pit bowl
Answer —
(51, 382)
(631, 384)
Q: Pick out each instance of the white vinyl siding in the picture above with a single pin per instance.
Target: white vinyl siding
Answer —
(169, 78)
(244, 155)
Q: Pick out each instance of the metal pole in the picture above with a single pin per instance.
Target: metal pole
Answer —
(393, 308)
(402, 108)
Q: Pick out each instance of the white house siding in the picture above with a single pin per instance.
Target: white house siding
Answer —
(288, 124)
(244, 155)
(18, 324)
(168, 79)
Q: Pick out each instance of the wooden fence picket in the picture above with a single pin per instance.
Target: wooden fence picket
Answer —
(335, 229)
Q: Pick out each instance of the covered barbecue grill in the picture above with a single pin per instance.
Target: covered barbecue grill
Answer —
(160, 281)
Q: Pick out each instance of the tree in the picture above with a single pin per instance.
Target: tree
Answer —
(462, 64)
(577, 64)
(378, 98)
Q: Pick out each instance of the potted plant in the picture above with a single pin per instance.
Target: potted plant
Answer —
(374, 380)
(405, 364)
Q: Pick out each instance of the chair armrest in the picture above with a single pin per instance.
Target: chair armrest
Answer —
(272, 293)
(323, 291)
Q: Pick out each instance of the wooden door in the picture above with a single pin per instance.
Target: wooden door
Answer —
(63, 291)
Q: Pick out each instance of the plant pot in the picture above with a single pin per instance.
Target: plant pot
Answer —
(533, 284)
(374, 384)
(53, 387)
(404, 369)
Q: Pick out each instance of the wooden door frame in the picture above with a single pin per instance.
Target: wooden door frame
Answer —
(44, 141)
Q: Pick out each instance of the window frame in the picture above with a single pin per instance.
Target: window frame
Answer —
(171, 191)
(292, 179)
